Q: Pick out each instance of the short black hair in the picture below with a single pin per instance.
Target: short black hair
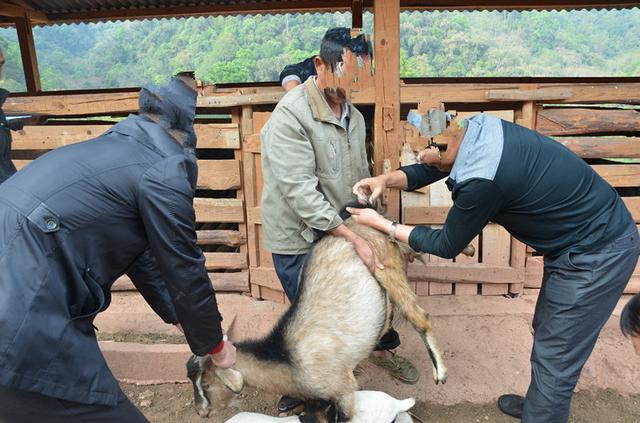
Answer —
(335, 40)
(630, 318)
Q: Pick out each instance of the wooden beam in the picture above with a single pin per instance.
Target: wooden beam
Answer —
(242, 8)
(219, 174)
(446, 273)
(28, 53)
(20, 10)
(603, 147)
(218, 210)
(633, 204)
(578, 121)
(619, 175)
(221, 237)
(48, 137)
(356, 14)
(387, 94)
(227, 261)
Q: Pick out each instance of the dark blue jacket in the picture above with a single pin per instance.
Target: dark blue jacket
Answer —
(71, 223)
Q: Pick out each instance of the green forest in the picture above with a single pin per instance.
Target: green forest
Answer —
(256, 47)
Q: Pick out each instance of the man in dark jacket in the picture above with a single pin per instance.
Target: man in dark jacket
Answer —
(75, 220)
(6, 166)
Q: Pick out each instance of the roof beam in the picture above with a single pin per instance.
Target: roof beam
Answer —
(20, 9)
(279, 6)
(514, 4)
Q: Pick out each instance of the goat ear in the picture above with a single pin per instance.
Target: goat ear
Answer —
(231, 378)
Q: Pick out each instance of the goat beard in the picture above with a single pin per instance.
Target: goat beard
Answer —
(336, 95)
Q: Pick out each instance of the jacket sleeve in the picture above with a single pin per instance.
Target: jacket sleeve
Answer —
(300, 71)
(147, 278)
(475, 203)
(291, 157)
(420, 175)
(165, 202)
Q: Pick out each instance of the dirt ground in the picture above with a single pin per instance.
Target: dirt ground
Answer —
(170, 403)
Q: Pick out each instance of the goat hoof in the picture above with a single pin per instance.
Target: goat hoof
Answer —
(440, 376)
(204, 412)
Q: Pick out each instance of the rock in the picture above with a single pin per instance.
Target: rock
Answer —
(145, 403)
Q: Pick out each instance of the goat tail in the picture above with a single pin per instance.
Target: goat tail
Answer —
(406, 405)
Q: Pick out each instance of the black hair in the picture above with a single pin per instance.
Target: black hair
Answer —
(335, 40)
(630, 318)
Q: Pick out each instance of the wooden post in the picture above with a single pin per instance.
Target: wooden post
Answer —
(387, 82)
(245, 123)
(28, 52)
(356, 14)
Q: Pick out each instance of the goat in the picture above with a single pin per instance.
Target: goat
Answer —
(341, 312)
(370, 406)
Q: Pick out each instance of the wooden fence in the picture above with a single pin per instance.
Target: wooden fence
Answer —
(589, 118)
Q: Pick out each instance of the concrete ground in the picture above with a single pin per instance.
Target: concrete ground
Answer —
(486, 340)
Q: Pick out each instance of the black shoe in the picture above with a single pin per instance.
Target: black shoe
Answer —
(288, 403)
(511, 405)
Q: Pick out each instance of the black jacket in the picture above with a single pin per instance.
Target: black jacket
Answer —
(6, 166)
(71, 223)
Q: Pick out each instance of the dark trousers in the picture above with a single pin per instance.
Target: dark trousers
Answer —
(289, 266)
(578, 294)
(27, 407)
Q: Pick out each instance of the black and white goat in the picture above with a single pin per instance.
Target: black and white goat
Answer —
(341, 312)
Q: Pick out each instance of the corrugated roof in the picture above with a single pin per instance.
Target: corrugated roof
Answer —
(60, 11)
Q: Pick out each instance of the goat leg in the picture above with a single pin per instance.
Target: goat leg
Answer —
(196, 367)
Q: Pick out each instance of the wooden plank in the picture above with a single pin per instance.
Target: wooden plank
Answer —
(74, 104)
(445, 272)
(28, 53)
(227, 261)
(633, 204)
(619, 175)
(465, 289)
(437, 288)
(496, 245)
(425, 215)
(507, 115)
(422, 288)
(387, 95)
(222, 282)
(15, 11)
(252, 144)
(265, 276)
(517, 261)
(218, 210)
(254, 216)
(272, 295)
(218, 135)
(551, 93)
(242, 125)
(533, 272)
(495, 288)
(633, 287)
(221, 237)
(259, 120)
(577, 121)
(602, 147)
(219, 174)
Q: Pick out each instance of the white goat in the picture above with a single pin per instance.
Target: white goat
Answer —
(370, 407)
(341, 312)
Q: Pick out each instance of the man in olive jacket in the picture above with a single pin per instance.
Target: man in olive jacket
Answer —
(75, 220)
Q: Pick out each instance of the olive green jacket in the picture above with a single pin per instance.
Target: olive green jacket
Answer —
(310, 164)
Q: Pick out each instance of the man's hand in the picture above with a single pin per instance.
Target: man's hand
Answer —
(368, 217)
(372, 187)
(226, 358)
(367, 254)
(430, 156)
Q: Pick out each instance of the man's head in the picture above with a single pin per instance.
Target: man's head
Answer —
(630, 321)
(338, 62)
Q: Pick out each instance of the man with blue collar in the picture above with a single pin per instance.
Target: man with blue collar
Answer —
(548, 198)
(75, 220)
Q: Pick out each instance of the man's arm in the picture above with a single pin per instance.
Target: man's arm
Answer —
(147, 278)
(165, 200)
(420, 175)
(295, 74)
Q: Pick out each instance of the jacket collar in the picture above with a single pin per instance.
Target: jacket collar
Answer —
(320, 109)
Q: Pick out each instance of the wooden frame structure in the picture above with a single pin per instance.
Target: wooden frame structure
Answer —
(559, 107)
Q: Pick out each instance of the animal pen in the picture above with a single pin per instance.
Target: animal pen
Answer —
(588, 115)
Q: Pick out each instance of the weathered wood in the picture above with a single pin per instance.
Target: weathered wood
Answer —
(227, 261)
(496, 245)
(551, 93)
(387, 94)
(265, 277)
(633, 204)
(517, 261)
(218, 210)
(633, 287)
(533, 272)
(619, 175)
(219, 174)
(221, 237)
(437, 288)
(602, 147)
(445, 272)
(16, 11)
(463, 289)
(28, 53)
(577, 121)
(127, 102)
(254, 216)
(272, 295)
(47, 137)
(425, 215)
(495, 288)
(222, 282)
